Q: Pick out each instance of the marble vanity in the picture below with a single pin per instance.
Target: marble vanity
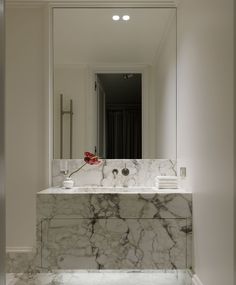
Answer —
(114, 228)
(100, 224)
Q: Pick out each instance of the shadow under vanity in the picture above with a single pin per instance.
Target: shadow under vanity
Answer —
(107, 227)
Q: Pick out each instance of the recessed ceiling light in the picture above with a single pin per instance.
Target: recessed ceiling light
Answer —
(126, 17)
(115, 17)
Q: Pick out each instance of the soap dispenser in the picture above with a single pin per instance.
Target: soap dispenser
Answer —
(182, 174)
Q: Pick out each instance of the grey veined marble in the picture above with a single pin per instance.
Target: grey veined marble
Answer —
(114, 231)
(104, 226)
(142, 172)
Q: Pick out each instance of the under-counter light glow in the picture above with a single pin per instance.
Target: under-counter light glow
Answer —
(126, 17)
(115, 17)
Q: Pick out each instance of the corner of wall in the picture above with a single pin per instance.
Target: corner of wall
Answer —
(196, 280)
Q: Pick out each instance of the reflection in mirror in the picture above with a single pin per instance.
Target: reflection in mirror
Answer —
(114, 83)
(119, 115)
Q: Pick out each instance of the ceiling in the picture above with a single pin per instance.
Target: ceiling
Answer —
(89, 35)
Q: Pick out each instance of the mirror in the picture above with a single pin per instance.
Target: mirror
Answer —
(114, 82)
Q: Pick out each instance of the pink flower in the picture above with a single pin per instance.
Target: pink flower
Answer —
(91, 158)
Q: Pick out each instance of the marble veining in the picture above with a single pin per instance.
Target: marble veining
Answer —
(142, 172)
(114, 231)
(19, 262)
(109, 231)
(114, 244)
(150, 205)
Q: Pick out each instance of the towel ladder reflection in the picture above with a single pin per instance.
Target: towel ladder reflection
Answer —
(62, 113)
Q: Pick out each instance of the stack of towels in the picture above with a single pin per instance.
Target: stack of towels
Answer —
(167, 182)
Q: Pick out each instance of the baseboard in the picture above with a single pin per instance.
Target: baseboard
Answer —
(196, 280)
(20, 249)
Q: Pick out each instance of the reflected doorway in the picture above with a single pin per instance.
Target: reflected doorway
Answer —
(119, 101)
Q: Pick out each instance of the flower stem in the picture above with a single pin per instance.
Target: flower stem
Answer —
(77, 169)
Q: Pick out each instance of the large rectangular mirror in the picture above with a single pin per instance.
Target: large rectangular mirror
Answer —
(114, 82)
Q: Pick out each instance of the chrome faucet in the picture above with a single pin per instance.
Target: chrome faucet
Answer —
(115, 172)
(125, 171)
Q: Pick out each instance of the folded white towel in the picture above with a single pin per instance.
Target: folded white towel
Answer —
(167, 182)
(167, 177)
(169, 187)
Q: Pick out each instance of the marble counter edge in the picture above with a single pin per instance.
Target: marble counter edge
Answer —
(112, 191)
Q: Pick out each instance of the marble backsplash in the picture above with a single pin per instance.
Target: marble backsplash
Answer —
(142, 172)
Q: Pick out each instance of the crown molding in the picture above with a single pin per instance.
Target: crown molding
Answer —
(94, 3)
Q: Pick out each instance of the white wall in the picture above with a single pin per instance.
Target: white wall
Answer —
(164, 80)
(205, 131)
(26, 152)
(72, 81)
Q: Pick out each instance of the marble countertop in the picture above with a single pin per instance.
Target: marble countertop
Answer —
(112, 190)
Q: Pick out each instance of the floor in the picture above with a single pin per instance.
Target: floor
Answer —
(104, 277)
